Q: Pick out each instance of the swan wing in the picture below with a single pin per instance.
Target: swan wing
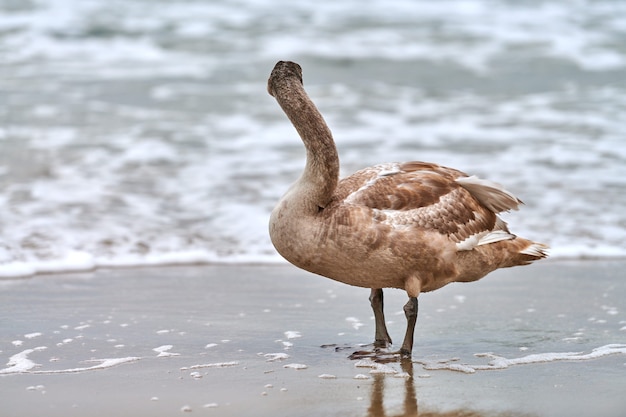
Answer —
(433, 198)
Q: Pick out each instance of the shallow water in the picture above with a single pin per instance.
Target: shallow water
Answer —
(139, 132)
(224, 340)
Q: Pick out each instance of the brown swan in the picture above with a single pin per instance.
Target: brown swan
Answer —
(416, 226)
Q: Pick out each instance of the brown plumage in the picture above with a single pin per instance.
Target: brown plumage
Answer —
(416, 226)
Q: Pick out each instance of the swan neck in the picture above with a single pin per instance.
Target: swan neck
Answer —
(321, 174)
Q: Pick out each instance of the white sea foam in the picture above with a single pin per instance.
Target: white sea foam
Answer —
(273, 357)
(124, 143)
(164, 351)
(376, 368)
(211, 365)
(21, 363)
(296, 366)
(500, 362)
(355, 322)
(101, 364)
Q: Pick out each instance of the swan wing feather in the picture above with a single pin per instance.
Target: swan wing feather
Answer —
(431, 197)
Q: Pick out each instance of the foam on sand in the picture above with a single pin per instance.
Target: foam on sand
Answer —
(500, 362)
(164, 351)
(211, 365)
(20, 364)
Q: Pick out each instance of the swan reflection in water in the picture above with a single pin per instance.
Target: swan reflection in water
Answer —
(410, 406)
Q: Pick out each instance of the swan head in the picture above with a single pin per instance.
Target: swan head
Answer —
(282, 71)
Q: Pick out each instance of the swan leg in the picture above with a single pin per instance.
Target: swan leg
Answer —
(382, 339)
(410, 311)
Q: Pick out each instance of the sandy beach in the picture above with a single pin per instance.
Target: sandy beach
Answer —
(543, 340)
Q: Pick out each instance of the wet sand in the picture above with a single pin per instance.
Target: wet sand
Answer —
(246, 340)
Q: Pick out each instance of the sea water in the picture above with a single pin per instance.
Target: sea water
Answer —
(140, 132)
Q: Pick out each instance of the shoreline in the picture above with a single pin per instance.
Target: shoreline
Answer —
(17, 270)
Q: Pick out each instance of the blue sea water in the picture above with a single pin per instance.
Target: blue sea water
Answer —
(140, 131)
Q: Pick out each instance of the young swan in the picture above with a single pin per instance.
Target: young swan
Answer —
(416, 226)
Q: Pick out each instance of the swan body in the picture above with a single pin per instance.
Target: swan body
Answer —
(415, 226)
